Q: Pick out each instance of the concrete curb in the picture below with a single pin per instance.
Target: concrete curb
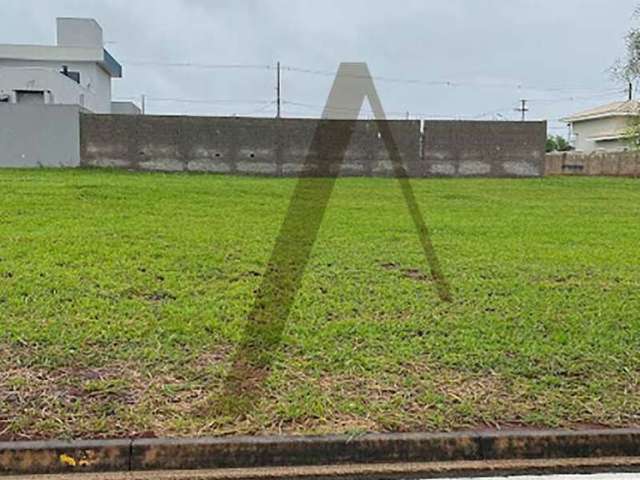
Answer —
(229, 454)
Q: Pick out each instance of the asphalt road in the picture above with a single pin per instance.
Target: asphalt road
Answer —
(607, 476)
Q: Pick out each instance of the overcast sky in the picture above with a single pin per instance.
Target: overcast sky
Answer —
(492, 52)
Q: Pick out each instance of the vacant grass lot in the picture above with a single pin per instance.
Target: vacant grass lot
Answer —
(123, 297)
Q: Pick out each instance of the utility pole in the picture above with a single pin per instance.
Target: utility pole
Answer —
(143, 102)
(278, 91)
(630, 91)
(523, 109)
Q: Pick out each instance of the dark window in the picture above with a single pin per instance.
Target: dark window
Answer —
(75, 76)
(29, 96)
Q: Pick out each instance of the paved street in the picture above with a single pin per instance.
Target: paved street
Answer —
(607, 476)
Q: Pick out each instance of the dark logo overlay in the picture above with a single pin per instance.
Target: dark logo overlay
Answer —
(289, 258)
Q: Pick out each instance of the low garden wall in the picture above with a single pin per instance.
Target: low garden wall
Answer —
(616, 164)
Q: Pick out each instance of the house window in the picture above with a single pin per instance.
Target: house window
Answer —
(75, 76)
(29, 96)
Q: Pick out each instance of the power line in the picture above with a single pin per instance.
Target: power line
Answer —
(219, 66)
(279, 101)
(330, 73)
(145, 99)
(366, 111)
(267, 103)
(492, 112)
(572, 98)
(447, 83)
(200, 100)
(399, 113)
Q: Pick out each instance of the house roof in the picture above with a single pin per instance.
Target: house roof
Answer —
(79, 40)
(614, 109)
(62, 54)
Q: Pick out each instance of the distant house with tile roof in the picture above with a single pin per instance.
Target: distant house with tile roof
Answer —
(604, 127)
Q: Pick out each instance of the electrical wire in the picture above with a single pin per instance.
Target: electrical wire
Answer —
(198, 100)
(197, 65)
(444, 83)
(332, 73)
(267, 103)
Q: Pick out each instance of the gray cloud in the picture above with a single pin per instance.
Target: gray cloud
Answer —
(543, 45)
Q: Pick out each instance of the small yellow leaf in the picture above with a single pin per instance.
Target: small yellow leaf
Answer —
(67, 460)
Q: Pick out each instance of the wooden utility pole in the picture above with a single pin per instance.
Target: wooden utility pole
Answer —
(278, 91)
(523, 109)
(630, 91)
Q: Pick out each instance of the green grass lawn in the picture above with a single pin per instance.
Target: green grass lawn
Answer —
(123, 298)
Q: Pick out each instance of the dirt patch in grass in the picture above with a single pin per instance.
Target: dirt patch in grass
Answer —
(140, 400)
(122, 398)
(412, 273)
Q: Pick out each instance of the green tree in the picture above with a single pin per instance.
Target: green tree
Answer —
(627, 68)
(551, 145)
(562, 144)
(557, 143)
(632, 134)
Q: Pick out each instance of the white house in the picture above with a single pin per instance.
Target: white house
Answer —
(603, 128)
(76, 71)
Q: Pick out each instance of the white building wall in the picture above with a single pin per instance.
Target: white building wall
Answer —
(585, 130)
(79, 48)
(95, 83)
(39, 136)
(58, 89)
(125, 108)
(102, 87)
(78, 32)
